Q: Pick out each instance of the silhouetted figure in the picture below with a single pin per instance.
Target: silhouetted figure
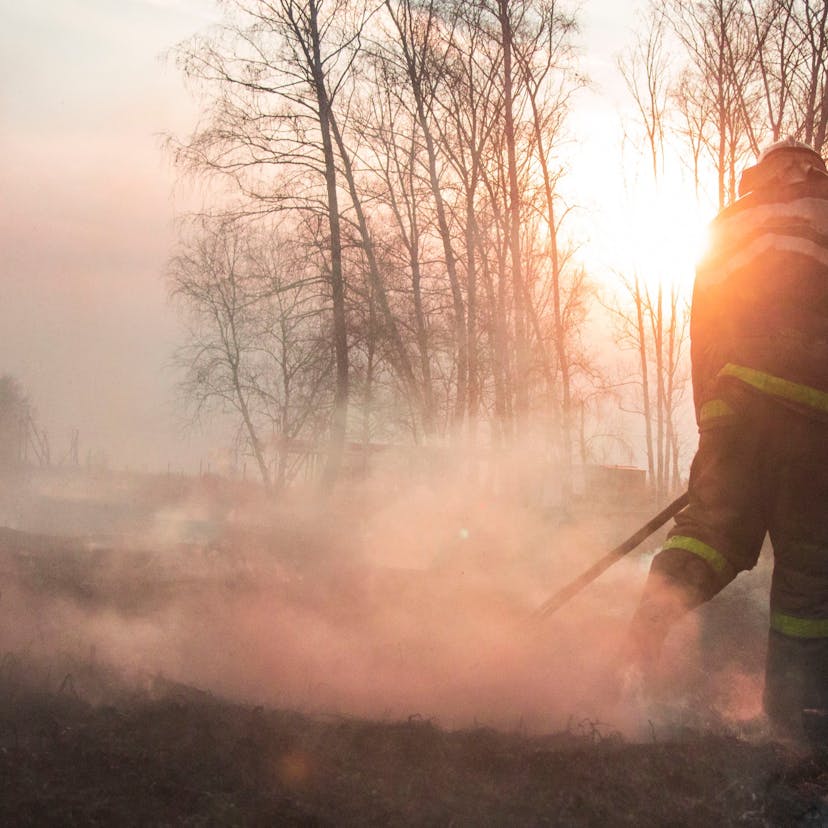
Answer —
(759, 348)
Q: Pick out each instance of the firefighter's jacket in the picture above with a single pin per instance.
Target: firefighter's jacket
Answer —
(760, 302)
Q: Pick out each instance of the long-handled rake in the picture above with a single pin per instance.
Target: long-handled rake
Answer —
(574, 587)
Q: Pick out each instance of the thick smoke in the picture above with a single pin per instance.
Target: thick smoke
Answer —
(400, 595)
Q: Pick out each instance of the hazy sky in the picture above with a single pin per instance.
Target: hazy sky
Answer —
(87, 207)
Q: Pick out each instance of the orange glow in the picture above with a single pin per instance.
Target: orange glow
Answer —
(294, 769)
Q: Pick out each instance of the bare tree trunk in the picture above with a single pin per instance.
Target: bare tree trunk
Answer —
(669, 402)
(422, 336)
(339, 421)
(816, 104)
(521, 350)
(497, 338)
(645, 381)
(471, 296)
(414, 68)
(496, 297)
(401, 358)
(557, 312)
(658, 331)
(368, 391)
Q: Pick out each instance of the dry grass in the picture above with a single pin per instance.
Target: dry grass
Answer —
(168, 754)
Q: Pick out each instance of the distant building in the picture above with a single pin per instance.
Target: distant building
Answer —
(615, 484)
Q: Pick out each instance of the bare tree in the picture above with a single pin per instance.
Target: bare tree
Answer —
(792, 55)
(509, 17)
(544, 55)
(418, 141)
(692, 122)
(467, 109)
(254, 337)
(16, 418)
(387, 125)
(721, 54)
(276, 69)
(657, 323)
(812, 22)
(417, 27)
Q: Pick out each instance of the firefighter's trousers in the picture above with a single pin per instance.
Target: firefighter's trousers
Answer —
(763, 467)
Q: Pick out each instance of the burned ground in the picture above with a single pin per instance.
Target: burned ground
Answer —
(169, 754)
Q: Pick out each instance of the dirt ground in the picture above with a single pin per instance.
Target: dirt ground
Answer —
(173, 755)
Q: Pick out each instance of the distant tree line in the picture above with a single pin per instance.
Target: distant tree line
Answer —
(389, 253)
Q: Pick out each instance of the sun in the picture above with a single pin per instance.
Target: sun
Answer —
(661, 234)
(634, 224)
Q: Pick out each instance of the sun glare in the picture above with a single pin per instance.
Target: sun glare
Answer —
(661, 235)
(632, 226)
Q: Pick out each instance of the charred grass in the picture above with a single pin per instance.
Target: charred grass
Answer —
(168, 754)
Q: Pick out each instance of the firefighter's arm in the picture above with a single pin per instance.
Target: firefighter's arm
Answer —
(678, 582)
(705, 333)
(711, 316)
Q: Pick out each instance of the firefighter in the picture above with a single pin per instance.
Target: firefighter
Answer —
(759, 352)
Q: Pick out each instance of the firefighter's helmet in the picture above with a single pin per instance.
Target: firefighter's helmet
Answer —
(761, 175)
(789, 144)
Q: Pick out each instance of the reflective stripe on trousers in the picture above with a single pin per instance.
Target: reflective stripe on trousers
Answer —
(794, 627)
(789, 625)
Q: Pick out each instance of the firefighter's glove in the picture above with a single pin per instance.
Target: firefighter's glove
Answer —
(678, 582)
(661, 606)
